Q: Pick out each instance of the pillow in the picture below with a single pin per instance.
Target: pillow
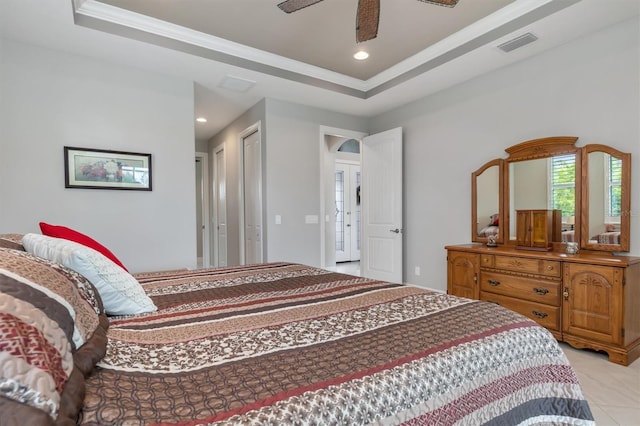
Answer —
(494, 220)
(72, 235)
(121, 294)
(52, 334)
(12, 241)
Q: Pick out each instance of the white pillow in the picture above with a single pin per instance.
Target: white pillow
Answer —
(121, 294)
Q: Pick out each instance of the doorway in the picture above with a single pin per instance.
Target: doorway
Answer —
(381, 201)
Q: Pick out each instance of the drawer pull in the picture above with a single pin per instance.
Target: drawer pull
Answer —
(494, 283)
(540, 314)
(549, 267)
(542, 291)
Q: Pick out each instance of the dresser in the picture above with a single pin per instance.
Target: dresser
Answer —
(589, 300)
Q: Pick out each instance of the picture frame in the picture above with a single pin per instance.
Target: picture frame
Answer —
(106, 169)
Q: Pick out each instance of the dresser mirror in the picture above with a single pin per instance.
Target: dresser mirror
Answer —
(545, 183)
(588, 189)
(606, 199)
(541, 174)
(486, 190)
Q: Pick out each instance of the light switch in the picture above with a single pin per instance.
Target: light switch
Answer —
(311, 218)
(278, 219)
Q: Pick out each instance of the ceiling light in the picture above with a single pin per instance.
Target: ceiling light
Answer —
(201, 120)
(361, 55)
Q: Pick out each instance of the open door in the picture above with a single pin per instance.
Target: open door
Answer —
(381, 199)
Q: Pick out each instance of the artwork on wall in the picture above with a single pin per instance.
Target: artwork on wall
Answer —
(105, 169)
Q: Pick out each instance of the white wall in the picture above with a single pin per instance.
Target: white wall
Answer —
(229, 137)
(293, 177)
(588, 88)
(51, 99)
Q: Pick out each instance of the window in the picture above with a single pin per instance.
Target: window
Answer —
(562, 179)
(613, 187)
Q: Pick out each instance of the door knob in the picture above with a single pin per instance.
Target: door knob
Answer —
(397, 231)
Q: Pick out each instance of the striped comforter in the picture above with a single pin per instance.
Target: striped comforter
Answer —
(284, 343)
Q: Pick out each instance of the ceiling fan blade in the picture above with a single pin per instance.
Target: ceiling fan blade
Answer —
(367, 20)
(293, 5)
(447, 3)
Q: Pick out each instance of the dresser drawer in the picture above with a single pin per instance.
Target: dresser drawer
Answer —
(548, 268)
(541, 291)
(545, 315)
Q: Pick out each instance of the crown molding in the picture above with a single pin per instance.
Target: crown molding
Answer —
(115, 15)
(508, 19)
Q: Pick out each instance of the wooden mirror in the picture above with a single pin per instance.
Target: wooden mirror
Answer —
(607, 199)
(544, 174)
(486, 202)
(585, 194)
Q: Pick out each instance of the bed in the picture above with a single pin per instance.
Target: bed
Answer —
(493, 227)
(611, 237)
(283, 343)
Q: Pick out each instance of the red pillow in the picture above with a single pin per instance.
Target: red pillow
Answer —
(75, 236)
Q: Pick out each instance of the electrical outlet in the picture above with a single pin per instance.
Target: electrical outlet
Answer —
(417, 271)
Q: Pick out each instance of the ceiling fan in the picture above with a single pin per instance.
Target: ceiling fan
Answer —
(367, 17)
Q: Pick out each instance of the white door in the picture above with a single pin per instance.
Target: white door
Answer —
(220, 200)
(381, 199)
(202, 209)
(347, 212)
(252, 199)
(199, 215)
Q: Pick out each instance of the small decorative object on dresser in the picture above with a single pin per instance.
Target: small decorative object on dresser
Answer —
(553, 199)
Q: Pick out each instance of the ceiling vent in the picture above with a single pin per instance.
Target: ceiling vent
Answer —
(236, 84)
(517, 42)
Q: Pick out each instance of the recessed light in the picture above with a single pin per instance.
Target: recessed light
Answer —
(361, 55)
(201, 120)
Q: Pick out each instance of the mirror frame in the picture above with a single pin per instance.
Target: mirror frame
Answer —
(625, 200)
(474, 201)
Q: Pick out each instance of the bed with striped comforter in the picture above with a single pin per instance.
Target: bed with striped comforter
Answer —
(284, 343)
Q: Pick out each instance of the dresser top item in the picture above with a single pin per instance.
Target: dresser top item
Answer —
(585, 256)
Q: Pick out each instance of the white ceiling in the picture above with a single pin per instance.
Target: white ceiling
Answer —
(305, 57)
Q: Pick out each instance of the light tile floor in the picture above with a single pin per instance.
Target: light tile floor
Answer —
(613, 391)
(351, 268)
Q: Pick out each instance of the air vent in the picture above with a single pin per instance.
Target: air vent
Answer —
(236, 84)
(517, 42)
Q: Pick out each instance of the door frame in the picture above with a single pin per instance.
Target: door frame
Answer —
(256, 127)
(206, 241)
(327, 157)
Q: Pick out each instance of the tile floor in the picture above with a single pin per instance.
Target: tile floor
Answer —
(613, 391)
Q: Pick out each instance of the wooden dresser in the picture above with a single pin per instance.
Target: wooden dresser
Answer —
(589, 300)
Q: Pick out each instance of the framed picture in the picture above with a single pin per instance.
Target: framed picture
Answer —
(104, 169)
